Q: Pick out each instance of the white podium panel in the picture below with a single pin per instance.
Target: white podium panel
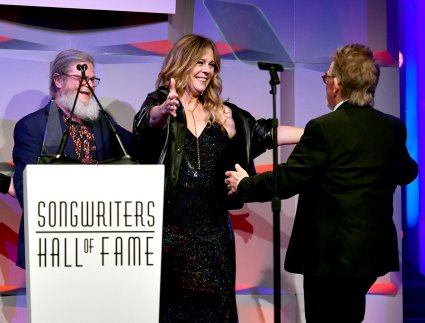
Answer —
(93, 242)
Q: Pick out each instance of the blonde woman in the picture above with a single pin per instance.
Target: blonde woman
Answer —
(186, 126)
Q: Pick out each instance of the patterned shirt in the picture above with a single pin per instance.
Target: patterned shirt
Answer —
(83, 140)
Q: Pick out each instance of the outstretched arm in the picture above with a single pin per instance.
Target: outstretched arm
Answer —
(288, 135)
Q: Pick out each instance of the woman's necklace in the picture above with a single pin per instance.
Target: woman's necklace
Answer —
(196, 132)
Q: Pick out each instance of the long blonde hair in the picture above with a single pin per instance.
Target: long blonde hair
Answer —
(178, 64)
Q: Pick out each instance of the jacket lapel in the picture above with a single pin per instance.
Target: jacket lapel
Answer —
(99, 139)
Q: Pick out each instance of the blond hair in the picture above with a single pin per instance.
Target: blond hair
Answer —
(358, 73)
(178, 64)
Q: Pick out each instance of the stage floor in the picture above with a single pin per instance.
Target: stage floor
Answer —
(13, 309)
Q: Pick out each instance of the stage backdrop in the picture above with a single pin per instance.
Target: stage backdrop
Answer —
(129, 53)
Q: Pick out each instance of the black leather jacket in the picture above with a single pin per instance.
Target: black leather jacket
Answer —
(4, 183)
(166, 145)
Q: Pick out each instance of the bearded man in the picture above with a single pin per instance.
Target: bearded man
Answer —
(91, 139)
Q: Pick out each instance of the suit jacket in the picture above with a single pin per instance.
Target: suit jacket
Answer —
(29, 134)
(345, 170)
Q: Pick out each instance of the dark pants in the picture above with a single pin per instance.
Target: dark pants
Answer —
(335, 299)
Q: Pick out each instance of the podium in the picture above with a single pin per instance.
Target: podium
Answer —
(93, 242)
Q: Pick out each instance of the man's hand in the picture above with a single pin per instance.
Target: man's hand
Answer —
(234, 177)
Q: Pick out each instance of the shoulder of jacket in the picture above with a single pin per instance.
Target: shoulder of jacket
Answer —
(36, 114)
(238, 112)
(163, 90)
(388, 116)
(160, 94)
(324, 117)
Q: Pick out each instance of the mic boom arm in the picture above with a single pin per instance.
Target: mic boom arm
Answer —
(108, 118)
(61, 149)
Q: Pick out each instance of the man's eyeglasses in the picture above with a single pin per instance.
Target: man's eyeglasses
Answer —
(325, 77)
(94, 80)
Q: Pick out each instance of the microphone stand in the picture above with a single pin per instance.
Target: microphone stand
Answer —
(276, 204)
(60, 158)
(126, 159)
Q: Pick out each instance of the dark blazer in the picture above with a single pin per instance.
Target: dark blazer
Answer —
(345, 170)
(28, 135)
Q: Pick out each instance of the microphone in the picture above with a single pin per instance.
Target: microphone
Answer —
(270, 66)
(82, 67)
(60, 158)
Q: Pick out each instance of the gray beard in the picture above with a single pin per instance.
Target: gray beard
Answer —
(86, 112)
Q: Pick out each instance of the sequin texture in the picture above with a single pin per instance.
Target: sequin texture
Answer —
(198, 263)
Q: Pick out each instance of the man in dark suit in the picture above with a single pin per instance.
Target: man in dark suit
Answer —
(91, 139)
(345, 169)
